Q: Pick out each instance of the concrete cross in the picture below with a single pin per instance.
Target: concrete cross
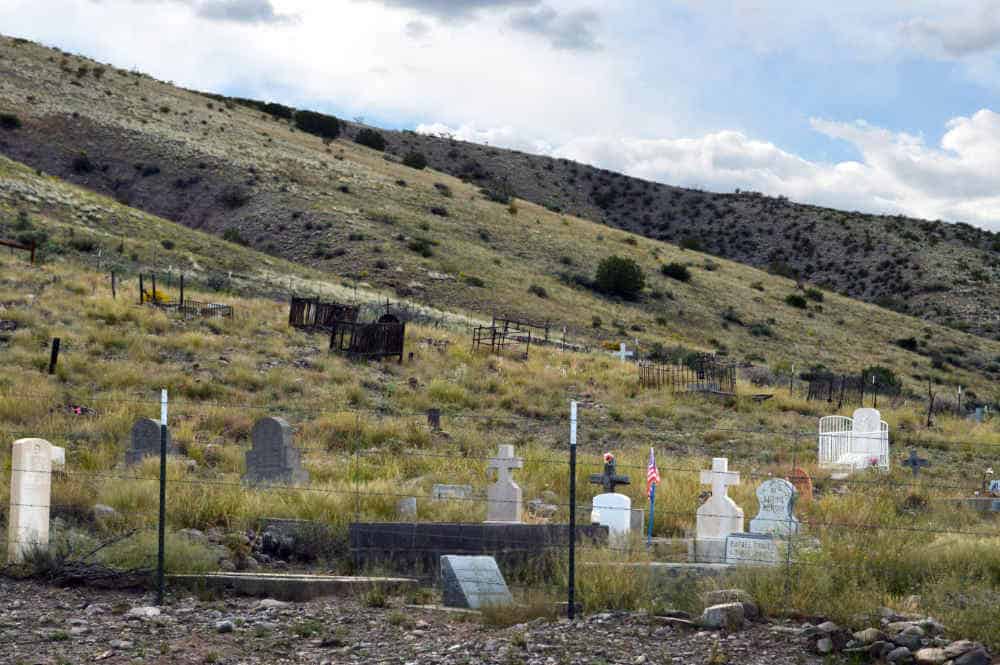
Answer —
(720, 477)
(915, 462)
(505, 463)
(610, 478)
(623, 353)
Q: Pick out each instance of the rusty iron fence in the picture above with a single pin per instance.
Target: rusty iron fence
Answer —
(848, 389)
(705, 376)
(384, 338)
(313, 314)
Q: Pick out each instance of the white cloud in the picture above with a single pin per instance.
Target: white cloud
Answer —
(958, 180)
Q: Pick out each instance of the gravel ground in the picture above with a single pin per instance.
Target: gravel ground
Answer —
(44, 625)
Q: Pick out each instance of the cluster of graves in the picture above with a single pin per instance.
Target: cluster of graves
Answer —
(384, 338)
(705, 374)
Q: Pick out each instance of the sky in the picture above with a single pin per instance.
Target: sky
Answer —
(885, 106)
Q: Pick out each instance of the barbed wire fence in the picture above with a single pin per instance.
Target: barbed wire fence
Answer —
(366, 492)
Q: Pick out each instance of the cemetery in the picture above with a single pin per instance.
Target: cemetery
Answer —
(296, 475)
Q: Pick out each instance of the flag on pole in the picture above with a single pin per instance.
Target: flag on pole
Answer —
(652, 473)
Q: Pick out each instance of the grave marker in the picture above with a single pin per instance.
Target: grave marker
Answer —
(719, 516)
(503, 498)
(802, 482)
(30, 496)
(441, 492)
(915, 462)
(473, 582)
(144, 441)
(751, 549)
(273, 458)
(776, 498)
(613, 510)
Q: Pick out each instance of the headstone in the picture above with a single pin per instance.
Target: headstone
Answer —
(994, 487)
(915, 462)
(776, 498)
(434, 419)
(802, 482)
(615, 512)
(473, 582)
(867, 420)
(719, 516)
(751, 549)
(406, 508)
(623, 353)
(144, 441)
(30, 496)
(611, 509)
(441, 492)
(637, 523)
(503, 498)
(273, 458)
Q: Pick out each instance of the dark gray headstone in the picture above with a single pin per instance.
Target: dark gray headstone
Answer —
(473, 582)
(144, 441)
(273, 458)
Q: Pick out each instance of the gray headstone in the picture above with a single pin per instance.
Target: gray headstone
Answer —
(273, 458)
(776, 498)
(638, 521)
(145, 441)
(751, 549)
(440, 492)
(406, 508)
(473, 582)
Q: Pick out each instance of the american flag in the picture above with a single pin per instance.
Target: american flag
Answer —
(652, 473)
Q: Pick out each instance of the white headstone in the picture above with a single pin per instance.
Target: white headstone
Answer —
(867, 420)
(719, 516)
(615, 512)
(749, 549)
(776, 498)
(30, 496)
(503, 498)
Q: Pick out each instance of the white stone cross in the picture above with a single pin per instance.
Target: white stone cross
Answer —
(505, 463)
(720, 477)
(623, 353)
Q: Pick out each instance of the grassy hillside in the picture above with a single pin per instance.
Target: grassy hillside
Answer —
(362, 426)
(348, 212)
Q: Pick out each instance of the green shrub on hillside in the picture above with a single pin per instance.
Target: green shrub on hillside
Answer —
(9, 121)
(677, 271)
(415, 160)
(815, 295)
(795, 300)
(320, 124)
(232, 234)
(618, 276)
(370, 139)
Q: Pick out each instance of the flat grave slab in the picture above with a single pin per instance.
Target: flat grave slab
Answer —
(473, 582)
(289, 587)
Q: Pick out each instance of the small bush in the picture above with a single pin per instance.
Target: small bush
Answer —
(167, 244)
(82, 164)
(85, 245)
(618, 276)
(596, 322)
(472, 280)
(234, 197)
(677, 271)
(815, 295)
(232, 234)
(439, 211)
(319, 124)
(761, 330)
(370, 139)
(539, 291)
(421, 246)
(690, 242)
(9, 121)
(444, 189)
(795, 300)
(415, 160)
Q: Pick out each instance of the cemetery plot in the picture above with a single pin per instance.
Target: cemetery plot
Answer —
(854, 443)
(847, 389)
(311, 314)
(186, 307)
(383, 339)
(707, 374)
